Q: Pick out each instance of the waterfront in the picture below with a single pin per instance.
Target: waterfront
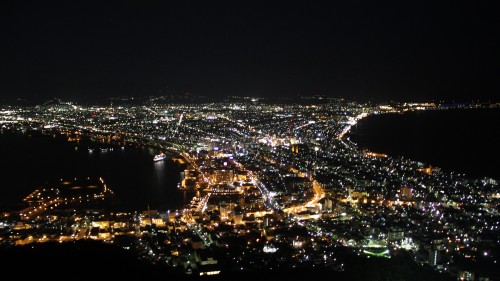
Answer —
(274, 182)
(456, 140)
(28, 161)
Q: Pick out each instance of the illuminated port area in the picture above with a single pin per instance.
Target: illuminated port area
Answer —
(274, 187)
(64, 194)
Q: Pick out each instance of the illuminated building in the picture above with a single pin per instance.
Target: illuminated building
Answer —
(407, 192)
(434, 257)
(222, 176)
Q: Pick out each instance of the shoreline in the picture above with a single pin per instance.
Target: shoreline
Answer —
(98, 146)
(426, 160)
(351, 123)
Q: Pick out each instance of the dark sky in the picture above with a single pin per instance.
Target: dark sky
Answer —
(413, 50)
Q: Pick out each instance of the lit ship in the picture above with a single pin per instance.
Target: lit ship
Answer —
(159, 157)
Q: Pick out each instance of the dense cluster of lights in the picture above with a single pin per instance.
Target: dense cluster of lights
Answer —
(265, 175)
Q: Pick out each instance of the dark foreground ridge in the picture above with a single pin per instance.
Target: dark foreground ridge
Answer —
(86, 259)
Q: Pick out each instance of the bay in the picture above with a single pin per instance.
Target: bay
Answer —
(30, 160)
(460, 140)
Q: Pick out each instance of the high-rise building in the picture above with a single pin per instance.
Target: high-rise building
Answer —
(434, 257)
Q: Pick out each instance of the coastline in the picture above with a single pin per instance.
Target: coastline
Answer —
(421, 139)
(352, 122)
(124, 170)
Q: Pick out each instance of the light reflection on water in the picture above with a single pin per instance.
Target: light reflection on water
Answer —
(159, 171)
(131, 173)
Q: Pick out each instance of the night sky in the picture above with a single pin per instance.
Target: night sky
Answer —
(381, 50)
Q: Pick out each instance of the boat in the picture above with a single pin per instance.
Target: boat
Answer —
(159, 157)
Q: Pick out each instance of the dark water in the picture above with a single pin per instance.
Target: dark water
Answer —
(28, 161)
(465, 141)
